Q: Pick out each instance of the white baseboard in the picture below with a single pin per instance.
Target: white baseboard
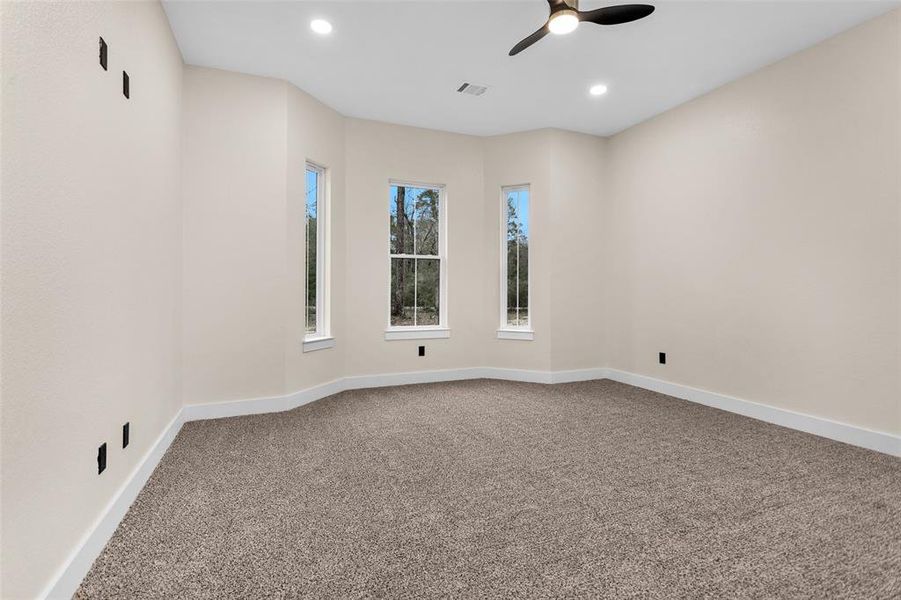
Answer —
(358, 382)
(879, 441)
(842, 432)
(79, 562)
(578, 375)
(255, 406)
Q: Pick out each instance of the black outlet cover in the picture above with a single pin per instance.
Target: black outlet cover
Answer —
(662, 358)
(125, 429)
(422, 351)
(103, 52)
(101, 458)
(125, 86)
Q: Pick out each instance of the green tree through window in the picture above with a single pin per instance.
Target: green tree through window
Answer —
(517, 260)
(312, 259)
(415, 256)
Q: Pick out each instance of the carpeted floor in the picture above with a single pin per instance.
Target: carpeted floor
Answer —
(490, 489)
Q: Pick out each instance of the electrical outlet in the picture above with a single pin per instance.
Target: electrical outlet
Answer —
(125, 432)
(101, 458)
(661, 358)
(422, 351)
(125, 85)
(103, 53)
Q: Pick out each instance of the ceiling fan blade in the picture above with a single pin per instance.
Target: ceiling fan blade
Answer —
(528, 41)
(614, 15)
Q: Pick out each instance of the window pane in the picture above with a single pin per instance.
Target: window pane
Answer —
(512, 279)
(427, 286)
(414, 232)
(403, 282)
(425, 208)
(517, 207)
(401, 211)
(312, 209)
(523, 214)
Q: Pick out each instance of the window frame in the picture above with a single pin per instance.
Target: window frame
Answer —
(506, 331)
(418, 332)
(320, 338)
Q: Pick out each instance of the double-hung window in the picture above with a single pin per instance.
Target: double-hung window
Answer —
(316, 318)
(417, 303)
(515, 319)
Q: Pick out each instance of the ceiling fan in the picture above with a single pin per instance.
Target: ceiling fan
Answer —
(565, 17)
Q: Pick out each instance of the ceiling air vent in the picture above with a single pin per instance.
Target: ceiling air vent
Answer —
(472, 89)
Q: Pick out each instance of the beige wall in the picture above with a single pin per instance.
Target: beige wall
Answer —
(243, 301)
(91, 247)
(566, 175)
(565, 204)
(245, 143)
(512, 160)
(315, 133)
(756, 235)
(579, 204)
(376, 153)
(234, 187)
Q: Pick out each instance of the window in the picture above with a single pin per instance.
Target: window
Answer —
(315, 272)
(416, 247)
(515, 318)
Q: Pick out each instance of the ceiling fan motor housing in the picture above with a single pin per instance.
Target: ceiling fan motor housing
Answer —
(573, 4)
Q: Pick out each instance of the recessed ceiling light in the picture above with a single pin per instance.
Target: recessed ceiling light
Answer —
(563, 21)
(598, 89)
(321, 26)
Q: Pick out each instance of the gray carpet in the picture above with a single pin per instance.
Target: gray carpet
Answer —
(489, 489)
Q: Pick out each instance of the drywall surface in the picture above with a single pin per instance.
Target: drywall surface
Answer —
(562, 171)
(91, 245)
(234, 186)
(316, 134)
(517, 159)
(246, 140)
(245, 143)
(579, 203)
(756, 235)
(376, 154)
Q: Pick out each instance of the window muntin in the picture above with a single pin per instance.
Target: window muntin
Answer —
(416, 248)
(515, 258)
(315, 281)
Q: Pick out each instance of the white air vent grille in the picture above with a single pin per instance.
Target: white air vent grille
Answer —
(472, 89)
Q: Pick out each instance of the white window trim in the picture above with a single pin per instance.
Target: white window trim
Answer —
(506, 332)
(416, 333)
(422, 332)
(313, 344)
(323, 260)
(515, 333)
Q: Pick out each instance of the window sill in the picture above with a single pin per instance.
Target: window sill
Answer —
(515, 334)
(416, 333)
(318, 343)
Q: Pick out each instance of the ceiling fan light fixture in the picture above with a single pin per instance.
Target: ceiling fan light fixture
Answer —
(565, 17)
(563, 22)
(321, 26)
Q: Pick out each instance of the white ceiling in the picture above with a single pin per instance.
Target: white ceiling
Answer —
(402, 62)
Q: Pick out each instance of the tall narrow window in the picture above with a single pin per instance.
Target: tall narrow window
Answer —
(416, 248)
(315, 279)
(515, 318)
